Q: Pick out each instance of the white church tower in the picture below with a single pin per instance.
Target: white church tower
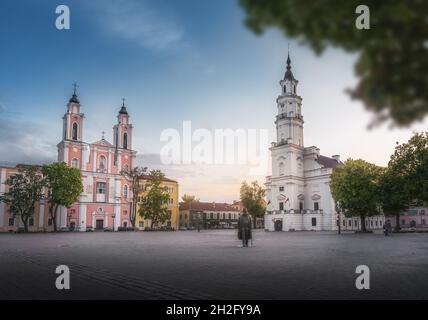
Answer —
(298, 191)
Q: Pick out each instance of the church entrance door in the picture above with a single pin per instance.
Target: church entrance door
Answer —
(278, 225)
(100, 224)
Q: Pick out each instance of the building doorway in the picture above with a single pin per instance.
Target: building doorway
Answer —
(99, 225)
(278, 225)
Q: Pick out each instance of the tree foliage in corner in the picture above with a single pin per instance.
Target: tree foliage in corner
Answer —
(25, 188)
(252, 197)
(355, 186)
(392, 64)
(64, 185)
(154, 205)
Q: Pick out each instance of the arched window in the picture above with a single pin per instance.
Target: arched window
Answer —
(74, 131)
(125, 191)
(125, 141)
(102, 165)
(75, 163)
(281, 168)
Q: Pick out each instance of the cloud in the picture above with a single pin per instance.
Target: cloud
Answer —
(207, 182)
(138, 22)
(25, 142)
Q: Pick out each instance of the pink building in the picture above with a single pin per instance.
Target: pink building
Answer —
(106, 198)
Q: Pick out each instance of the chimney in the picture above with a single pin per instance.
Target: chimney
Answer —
(336, 157)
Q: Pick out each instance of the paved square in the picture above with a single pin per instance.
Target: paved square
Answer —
(210, 265)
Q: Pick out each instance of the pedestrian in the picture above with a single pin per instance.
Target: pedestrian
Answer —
(244, 228)
(387, 228)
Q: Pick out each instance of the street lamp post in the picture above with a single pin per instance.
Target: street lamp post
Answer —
(338, 217)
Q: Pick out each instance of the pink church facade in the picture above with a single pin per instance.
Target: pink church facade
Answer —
(106, 198)
(105, 202)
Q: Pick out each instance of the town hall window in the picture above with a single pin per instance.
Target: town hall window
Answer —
(101, 188)
(74, 131)
(316, 206)
(125, 141)
(281, 168)
(281, 206)
(314, 222)
(281, 188)
(300, 205)
(125, 191)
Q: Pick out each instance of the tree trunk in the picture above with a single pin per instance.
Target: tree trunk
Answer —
(53, 213)
(25, 222)
(363, 223)
(397, 222)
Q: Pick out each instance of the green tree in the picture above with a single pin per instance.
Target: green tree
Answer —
(189, 199)
(404, 183)
(133, 176)
(252, 197)
(25, 188)
(392, 57)
(410, 160)
(394, 194)
(64, 187)
(155, 203)
(355, 186)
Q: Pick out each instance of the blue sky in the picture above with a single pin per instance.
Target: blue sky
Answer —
(173, 61)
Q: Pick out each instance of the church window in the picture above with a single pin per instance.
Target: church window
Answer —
(101, 188)
(281, 206)
(300, 205)
(281, 188)
(294, 89)
(125, 141)
(125, 191)
(314, 222)
(316, 206)
(75, 163)
(74, 131)
(102, 165)
(281, 168)
(125, 168)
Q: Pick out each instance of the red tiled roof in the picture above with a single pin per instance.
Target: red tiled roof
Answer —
(208, 206)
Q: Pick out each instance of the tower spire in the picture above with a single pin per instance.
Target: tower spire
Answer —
(74, 96)
(288, 74)
(123, 108)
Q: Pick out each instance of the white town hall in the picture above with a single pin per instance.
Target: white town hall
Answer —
(298, 190)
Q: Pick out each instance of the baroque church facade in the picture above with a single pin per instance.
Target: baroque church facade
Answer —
(298, 189)
(106, 198)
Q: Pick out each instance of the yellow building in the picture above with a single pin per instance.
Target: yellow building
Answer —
(173, 204)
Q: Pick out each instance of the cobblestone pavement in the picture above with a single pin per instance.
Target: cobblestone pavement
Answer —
(211, 265)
